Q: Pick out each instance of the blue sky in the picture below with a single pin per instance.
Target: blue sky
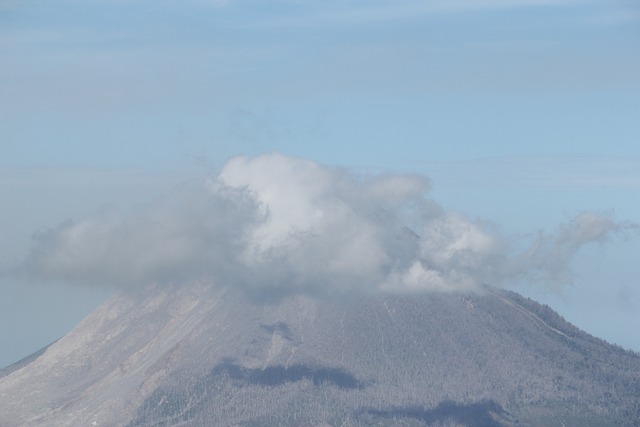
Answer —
(521, 112)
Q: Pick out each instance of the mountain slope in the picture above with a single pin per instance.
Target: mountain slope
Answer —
(202, 356)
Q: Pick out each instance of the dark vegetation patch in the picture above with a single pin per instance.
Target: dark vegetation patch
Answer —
(194, 397)
(273, 376)
(485, 413)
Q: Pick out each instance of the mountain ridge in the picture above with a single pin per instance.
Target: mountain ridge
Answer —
(190, 355)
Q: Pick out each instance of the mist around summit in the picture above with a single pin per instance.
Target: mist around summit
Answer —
(275, 225)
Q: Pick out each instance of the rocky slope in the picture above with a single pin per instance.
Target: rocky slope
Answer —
(200, 356)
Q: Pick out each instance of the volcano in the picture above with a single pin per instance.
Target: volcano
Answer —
(203, 356)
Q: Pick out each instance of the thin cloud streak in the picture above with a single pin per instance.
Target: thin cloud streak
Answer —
(543, 172)
(312, 14)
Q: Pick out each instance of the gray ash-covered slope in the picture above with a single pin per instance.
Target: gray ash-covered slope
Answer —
(198, 356)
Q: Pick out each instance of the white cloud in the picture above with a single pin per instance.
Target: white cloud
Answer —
(275, 225)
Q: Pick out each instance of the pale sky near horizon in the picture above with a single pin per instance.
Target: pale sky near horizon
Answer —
(521, 112)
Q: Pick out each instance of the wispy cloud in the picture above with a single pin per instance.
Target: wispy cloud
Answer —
(614, 18)
(542, 172)
(276, 225)
(309, 13)
(548, 257)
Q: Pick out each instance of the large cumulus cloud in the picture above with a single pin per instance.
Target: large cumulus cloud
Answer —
(275, 225)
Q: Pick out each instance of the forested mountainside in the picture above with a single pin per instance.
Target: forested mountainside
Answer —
(200, 356)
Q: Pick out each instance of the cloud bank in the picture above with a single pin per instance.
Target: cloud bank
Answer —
(275, 225)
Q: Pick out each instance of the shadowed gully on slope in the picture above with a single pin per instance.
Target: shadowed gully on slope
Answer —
(272, 376)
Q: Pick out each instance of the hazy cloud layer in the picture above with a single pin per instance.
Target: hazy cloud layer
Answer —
(275, 225)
